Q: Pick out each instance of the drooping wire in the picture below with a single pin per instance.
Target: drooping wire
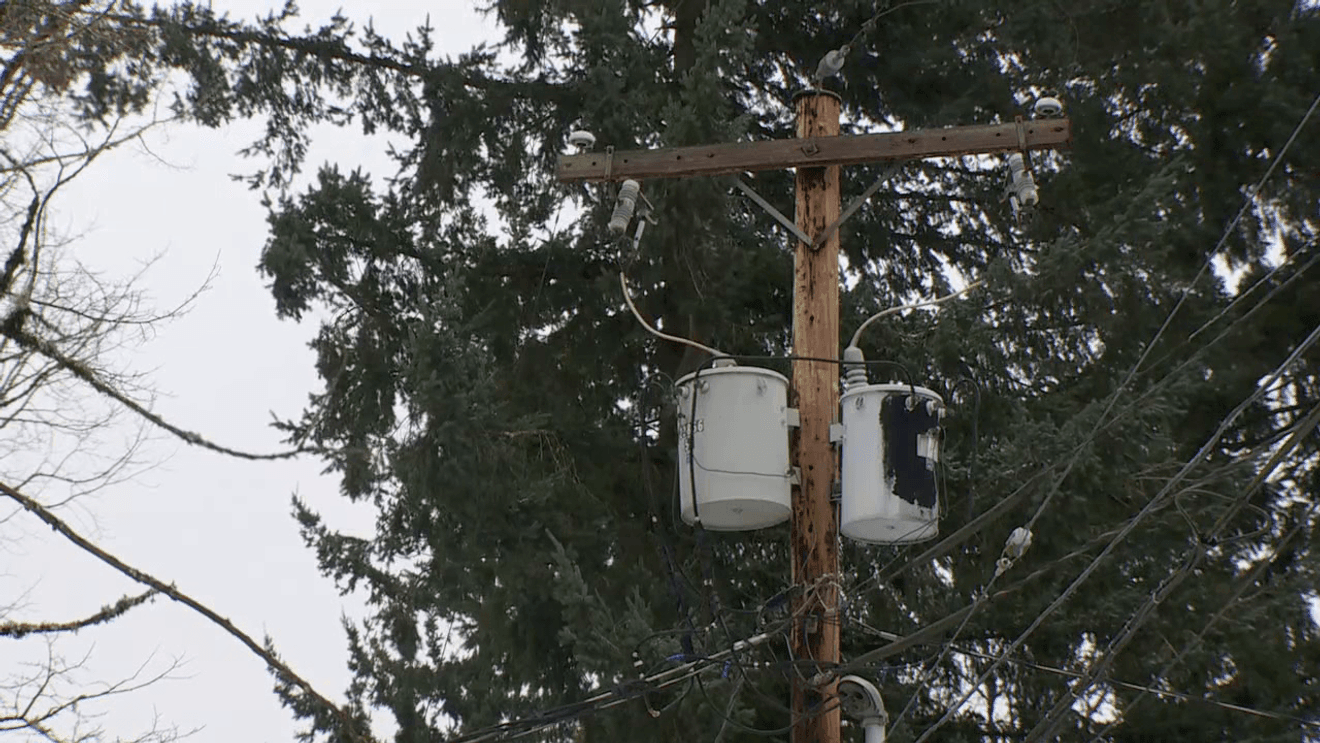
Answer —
(1102, 420)
(627, 297)
(1155, 503)
(1244, 583)
(1193, 559)
(667, 553)
(857, 336)
(1144, 690)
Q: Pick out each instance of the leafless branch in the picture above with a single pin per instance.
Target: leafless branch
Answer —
(267, 654)
(107, 613)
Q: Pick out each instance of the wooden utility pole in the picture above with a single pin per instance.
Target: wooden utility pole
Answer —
(814, 532)
(817, 153)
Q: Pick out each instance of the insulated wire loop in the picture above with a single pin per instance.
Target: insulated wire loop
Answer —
(627, 297)
(857, 337)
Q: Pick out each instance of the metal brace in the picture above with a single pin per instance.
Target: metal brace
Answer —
(1022, 135)
(788, 223)
(609, 162)
(854, 205)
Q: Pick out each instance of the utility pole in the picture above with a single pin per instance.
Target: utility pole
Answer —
(817, 153)
(814, 532)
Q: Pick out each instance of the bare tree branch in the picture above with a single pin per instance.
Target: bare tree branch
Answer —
(107, 613)
(267, 654)
(13, 330)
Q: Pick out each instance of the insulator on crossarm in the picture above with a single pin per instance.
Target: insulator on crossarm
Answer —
(1022, 185)
(625, 206)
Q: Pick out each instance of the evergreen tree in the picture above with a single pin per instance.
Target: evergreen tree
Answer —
(513, 425)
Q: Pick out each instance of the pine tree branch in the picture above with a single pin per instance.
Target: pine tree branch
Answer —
(18, 630)
(336, 50)
(267, 654)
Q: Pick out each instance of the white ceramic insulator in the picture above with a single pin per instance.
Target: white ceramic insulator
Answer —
(625, 206)
(1023, 183)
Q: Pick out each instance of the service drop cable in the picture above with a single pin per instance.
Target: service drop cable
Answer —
(627, 297)
(924, 303)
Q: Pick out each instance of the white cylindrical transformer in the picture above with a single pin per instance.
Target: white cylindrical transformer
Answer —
(890, 452)
(733, 468)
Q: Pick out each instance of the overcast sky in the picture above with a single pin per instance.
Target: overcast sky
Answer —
(218, 528)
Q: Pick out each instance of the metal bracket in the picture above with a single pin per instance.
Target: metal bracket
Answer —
(795, 475)
(855, 204)
(1022, 134)
(788, 223)
(794, 417)
(836, 433)
(609, 162)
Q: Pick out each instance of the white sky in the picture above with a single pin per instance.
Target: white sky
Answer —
(217, 527)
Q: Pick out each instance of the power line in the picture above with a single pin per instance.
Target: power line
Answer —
(1149, 508)
(1246, 582)
(1193, 559)
(1182, 299)
(1113, 400)
(615, 696)
(1183, 696)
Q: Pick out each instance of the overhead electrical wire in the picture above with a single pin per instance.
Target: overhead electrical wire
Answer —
(1149, 508)
(857, 336)
(620, 693)
(833, 61)
(1182, 696)
(1101, 422)
(1248, 580)
(1099, 667)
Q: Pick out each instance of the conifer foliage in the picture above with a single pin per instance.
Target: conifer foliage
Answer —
(486, 390)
